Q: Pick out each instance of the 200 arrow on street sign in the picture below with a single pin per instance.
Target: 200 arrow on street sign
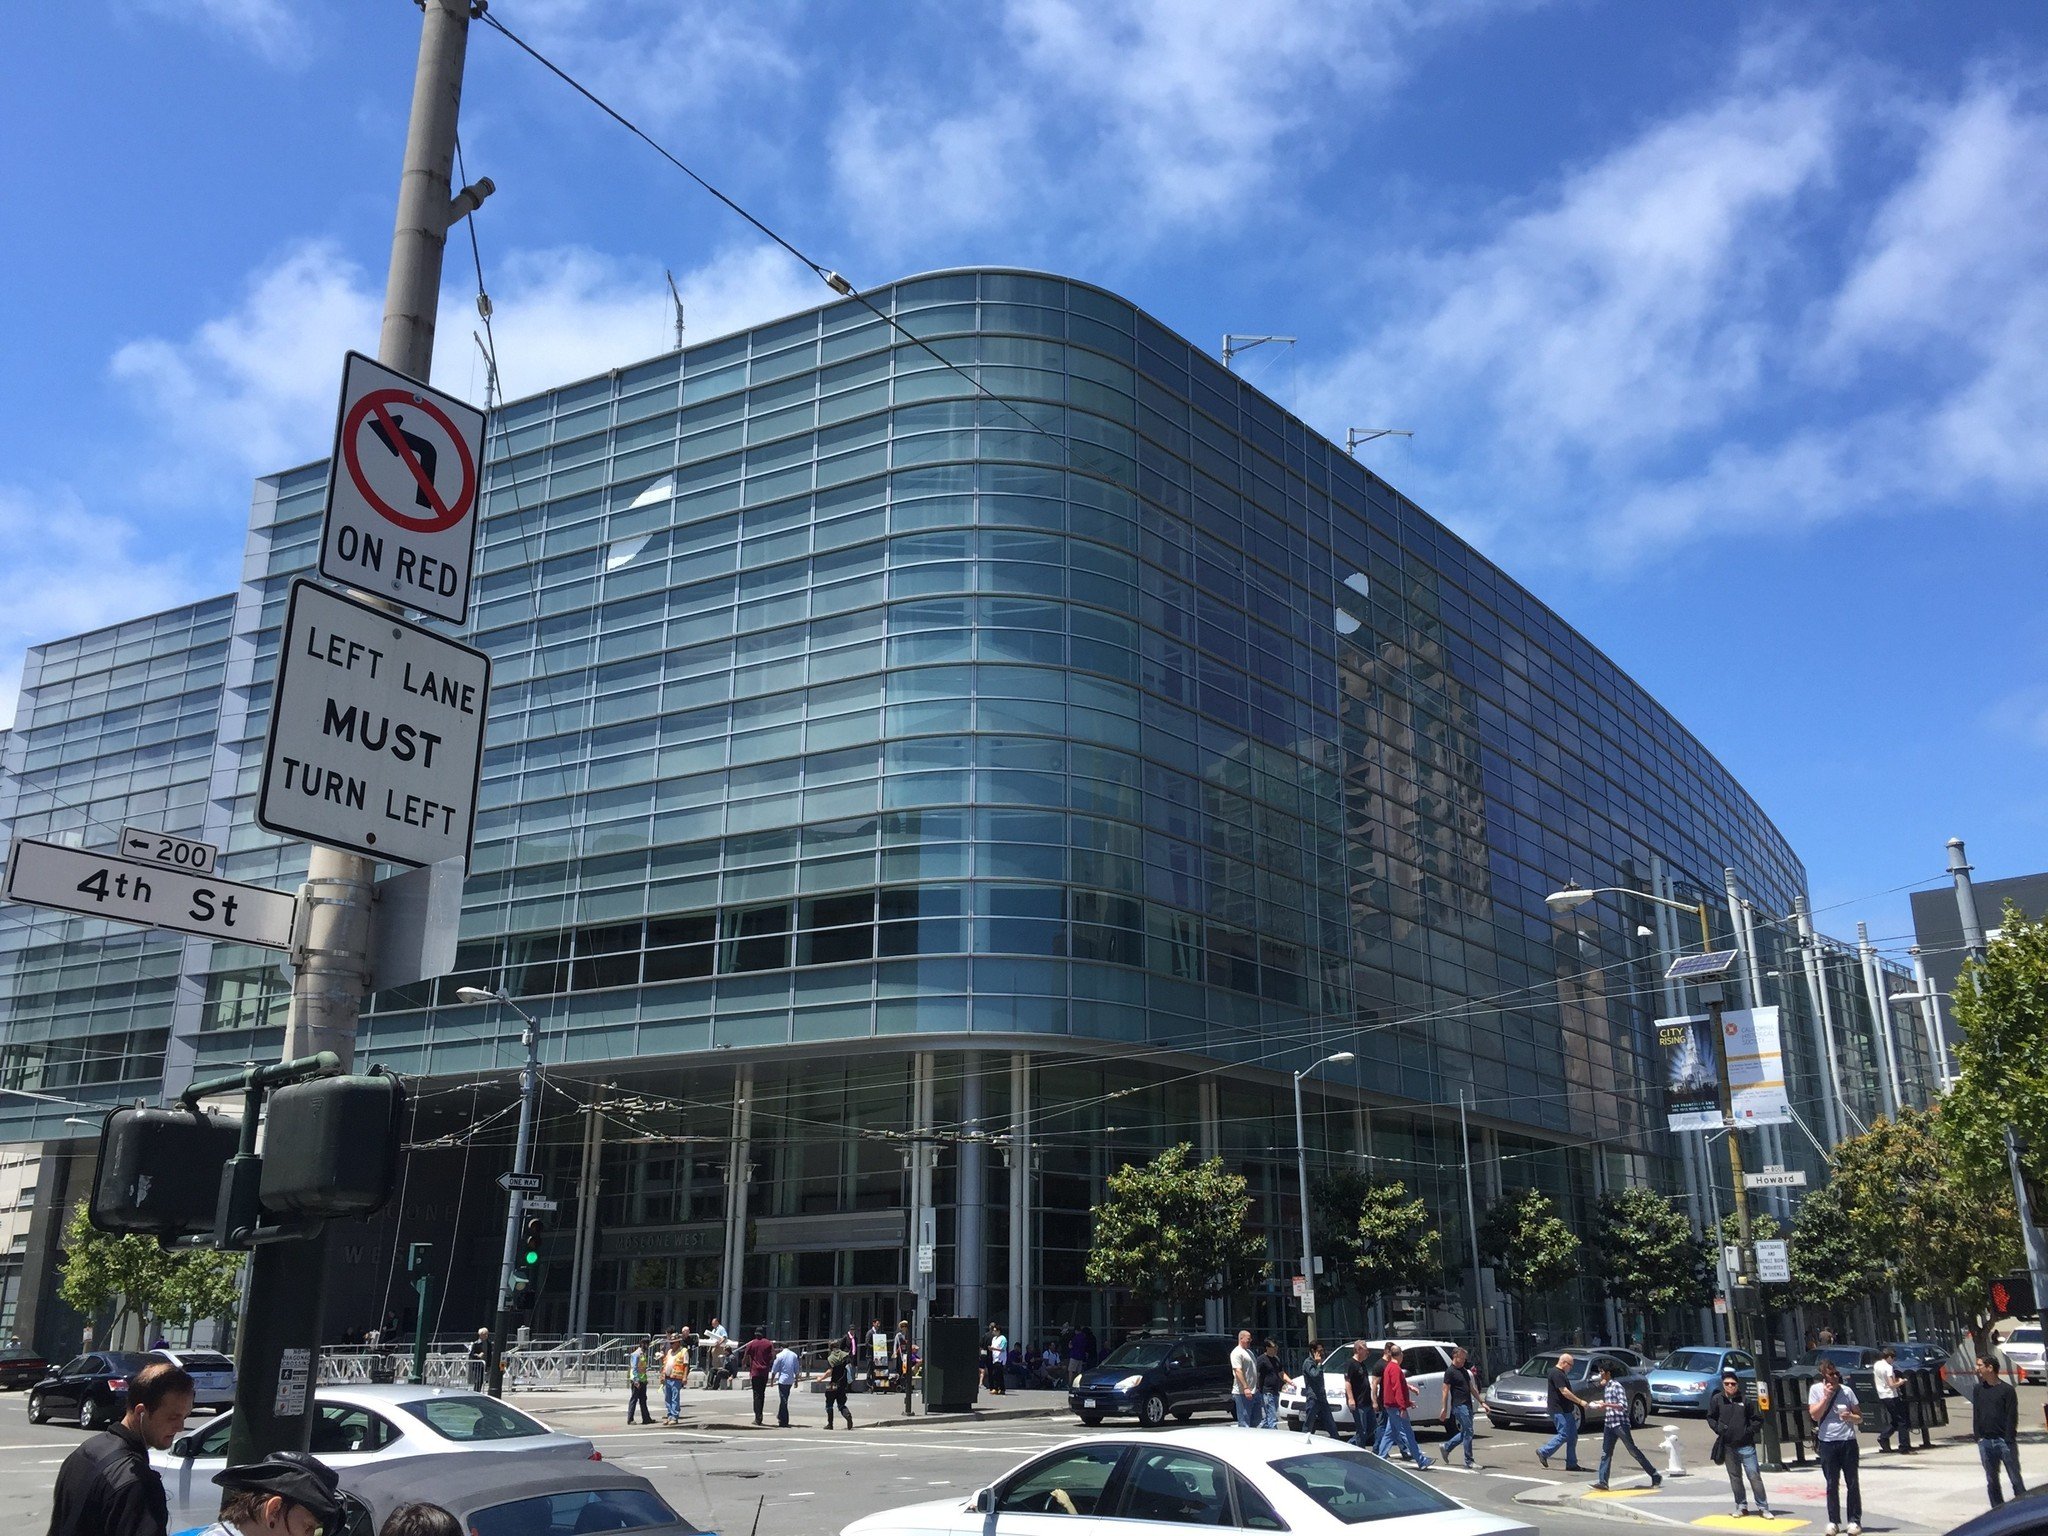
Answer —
(130, 891)
(402, 491)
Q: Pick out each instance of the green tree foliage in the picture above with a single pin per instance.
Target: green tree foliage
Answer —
(1831, 1268)
(142, 1279)
(1373, 1236)
(2001, 1015)
(1176, 1231)
(1648, 1256)
(1911, 1210)
(1530, 1247)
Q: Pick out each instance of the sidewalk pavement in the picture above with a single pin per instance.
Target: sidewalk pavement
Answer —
(1935, 1489)
(577, 1409)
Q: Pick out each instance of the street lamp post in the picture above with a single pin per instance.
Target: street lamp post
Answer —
(1711, 994)
(1308, 1277)
(522, 1158)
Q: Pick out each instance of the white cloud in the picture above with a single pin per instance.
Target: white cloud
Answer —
(254, 389)
(1135, 117)
(66, 569)
(665, 63)
(275, 30)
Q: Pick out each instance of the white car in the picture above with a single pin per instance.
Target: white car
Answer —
(1216, 1475)
(213, 1376)
(358, 1425)
(2023, 1353)
(1423, 1359)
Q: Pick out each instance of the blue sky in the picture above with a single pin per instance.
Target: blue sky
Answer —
(1723, 327)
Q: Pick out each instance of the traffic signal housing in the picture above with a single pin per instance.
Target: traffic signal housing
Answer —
(330, 1146)
(530, 1247)
(159, 1171)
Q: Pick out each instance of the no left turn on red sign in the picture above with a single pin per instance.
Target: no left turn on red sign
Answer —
(402, 491)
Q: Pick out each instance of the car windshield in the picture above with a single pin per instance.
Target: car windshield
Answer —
(1844, 1355)
(18, 1352)
(1356, 1487)
(469, 1418)
(1139, 1352)
(128, 1365)
(1543, 1365)
(2025, 1336)
(1690, 1360)
(591, 1509)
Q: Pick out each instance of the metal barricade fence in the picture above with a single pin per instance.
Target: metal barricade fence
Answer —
(1926, 1410)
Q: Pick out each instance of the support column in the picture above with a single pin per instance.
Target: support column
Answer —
(1021, 1158)
(1208, 1095)
(970, 1253)
(739, 1156)
(1823, 1031)
(1880, 1019)
(586, 1216)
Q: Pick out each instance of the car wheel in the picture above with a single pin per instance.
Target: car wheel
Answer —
(1182, 1415)
(35, 1409)
(1152, 1412)
(1638, 1412)
(1091, 1419)
(93, 1415)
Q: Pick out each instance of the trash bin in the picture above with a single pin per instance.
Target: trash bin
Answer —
(952, 1364)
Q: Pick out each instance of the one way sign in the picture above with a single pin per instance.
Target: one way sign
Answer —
(524, 1183)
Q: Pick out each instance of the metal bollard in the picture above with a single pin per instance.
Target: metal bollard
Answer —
(1673, 1466)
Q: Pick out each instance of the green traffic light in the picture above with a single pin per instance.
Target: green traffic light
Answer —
(532, 1257)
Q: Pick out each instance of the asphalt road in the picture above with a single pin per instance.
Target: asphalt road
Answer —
(805, 1481)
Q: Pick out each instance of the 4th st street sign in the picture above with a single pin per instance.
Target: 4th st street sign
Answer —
(130, 891)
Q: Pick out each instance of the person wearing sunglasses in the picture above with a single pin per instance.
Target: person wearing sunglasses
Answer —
(287, 1493)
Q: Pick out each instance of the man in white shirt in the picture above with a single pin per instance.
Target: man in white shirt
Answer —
(999, 1361)
(783, 1371)
(1244, 1381)
(1891, 1404)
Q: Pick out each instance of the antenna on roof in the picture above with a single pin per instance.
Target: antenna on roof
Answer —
(672, 293)
(490, 372)
(1356, 435)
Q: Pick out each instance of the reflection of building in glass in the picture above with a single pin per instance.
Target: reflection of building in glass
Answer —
(903, 807)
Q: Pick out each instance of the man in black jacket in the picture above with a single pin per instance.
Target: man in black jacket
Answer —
(107, 1487)
(1995, 1426)
(1734, 1419)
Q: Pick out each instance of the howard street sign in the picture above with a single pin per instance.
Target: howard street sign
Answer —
(169, 849)
(402, 491)
(376, 733)
(130, 891)
(1774, 1178)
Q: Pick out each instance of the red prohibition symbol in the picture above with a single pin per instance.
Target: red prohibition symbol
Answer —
(380, 417)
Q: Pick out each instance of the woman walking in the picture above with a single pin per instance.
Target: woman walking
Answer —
(1734, 1420)
(1831, 1404)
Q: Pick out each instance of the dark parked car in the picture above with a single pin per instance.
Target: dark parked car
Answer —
(1154, 1375)
(488, 1498)
(1854, 1361)
(1522, 1396)
(1922, 1356)
(91, 1388)
(21, 1366)
(2026, 1515)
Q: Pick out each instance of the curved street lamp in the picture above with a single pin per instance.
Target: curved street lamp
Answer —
(1308, 1278)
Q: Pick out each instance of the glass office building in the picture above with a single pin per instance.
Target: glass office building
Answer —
(933, 760)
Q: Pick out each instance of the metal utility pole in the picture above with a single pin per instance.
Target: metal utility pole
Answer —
(277, 1356)
(1308, 1272)
(1880, 1020)
(522, 1165)
(1973, 946)
(1823, 1020)
(1472, 1232)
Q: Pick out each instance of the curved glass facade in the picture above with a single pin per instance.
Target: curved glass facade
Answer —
(1028, 690)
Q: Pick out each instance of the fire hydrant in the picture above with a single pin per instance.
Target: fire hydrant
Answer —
(1673, 1466)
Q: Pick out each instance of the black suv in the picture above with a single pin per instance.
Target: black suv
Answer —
(1155, 1375)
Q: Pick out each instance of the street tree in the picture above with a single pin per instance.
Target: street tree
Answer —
(1176, 1231)
(2001, 1017)
(142, 1279)
(1831, 1269)
(1647, 1255)
(1914, 1213)
(1531, 1248)
(1374, 1237)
